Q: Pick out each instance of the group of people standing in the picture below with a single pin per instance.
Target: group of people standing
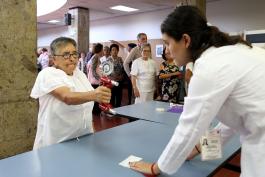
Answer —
(138, 71)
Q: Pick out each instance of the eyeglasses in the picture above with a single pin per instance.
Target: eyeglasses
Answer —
(68, 55)
(146, 50)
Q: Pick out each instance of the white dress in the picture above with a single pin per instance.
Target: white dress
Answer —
(145, 72)
(58, 121)
(227, 83)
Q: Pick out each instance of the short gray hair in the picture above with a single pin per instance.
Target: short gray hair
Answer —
(60, 42)
(139, 35)
(146, 45)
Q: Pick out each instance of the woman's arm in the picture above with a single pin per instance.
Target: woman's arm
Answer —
(135, 89)
(95, 65)
(188, 75)
(163, 75)
(64, 94)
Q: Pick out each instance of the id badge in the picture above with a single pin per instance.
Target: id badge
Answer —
(211, 148)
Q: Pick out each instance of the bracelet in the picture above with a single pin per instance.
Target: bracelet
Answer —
(152, 169)
(197, 149)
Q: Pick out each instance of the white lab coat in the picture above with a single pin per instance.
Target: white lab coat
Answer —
(58, 121)
(227, 83)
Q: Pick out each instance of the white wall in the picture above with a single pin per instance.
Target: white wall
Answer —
(45, 37)
(228, 15)
(127, 27)
(237, 15)
(119, 28)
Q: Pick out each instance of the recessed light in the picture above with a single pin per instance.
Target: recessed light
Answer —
(123, 8)
(53, 21)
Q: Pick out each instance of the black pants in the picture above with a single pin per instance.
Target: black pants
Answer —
(96, 109)
(129, 88)
(116, 95)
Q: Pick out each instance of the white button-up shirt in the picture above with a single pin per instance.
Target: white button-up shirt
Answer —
(58, 121)
(227, 83)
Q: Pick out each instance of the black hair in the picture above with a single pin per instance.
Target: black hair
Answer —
(189, 20)
(132, 45)
(139, 35)
(44, 50)
(98, 48)
(164, 54)
(114, 46)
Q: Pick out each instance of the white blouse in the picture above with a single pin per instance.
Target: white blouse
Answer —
(146, 72)
(227, 83)
(58, 121)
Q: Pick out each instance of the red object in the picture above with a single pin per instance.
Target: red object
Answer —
(105, 81)
(152, 168)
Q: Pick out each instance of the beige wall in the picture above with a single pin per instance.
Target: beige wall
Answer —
(18, 113)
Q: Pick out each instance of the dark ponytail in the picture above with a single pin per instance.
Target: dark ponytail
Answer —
(189, 20)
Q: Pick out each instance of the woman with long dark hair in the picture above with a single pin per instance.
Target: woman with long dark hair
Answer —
(227, 83)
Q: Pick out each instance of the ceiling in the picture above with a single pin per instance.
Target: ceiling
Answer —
(100, 9)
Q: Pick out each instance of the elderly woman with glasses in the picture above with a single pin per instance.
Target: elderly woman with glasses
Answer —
(143, 76)
(66, 97)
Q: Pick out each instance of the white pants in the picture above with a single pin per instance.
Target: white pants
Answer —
(144, 96)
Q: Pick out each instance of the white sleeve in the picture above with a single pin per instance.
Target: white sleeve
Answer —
(226, 132)
(134, 70)
(48, 80)
(206, 96)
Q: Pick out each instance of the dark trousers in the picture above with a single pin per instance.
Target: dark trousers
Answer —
(116, 95)
(96, 109)
(129, 88)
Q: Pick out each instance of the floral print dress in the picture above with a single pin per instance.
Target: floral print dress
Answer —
(169, 85)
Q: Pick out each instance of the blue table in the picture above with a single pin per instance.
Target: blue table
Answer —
(147, 111)
(98, 155)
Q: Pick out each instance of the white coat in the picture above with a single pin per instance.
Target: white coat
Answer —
(58, 121)
(227, 83)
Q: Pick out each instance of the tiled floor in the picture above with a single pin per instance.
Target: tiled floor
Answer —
(104, 122)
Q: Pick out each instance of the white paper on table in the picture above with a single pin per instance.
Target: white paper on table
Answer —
(131, 158)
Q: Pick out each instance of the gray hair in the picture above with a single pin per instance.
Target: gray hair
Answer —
(60, 42)
(146, 45)
(139, 35)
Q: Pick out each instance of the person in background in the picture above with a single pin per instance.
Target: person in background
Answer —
(127, 80)
(134, 53)
(169, 74)
(143, 75)
(130, 46)
(90, 54)
(81, 62)
(65, 97)
(43, 60)
(227, 84)
(116, 75)
(126, 50)
(106, 54)
(39, 52)
(93, 71)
